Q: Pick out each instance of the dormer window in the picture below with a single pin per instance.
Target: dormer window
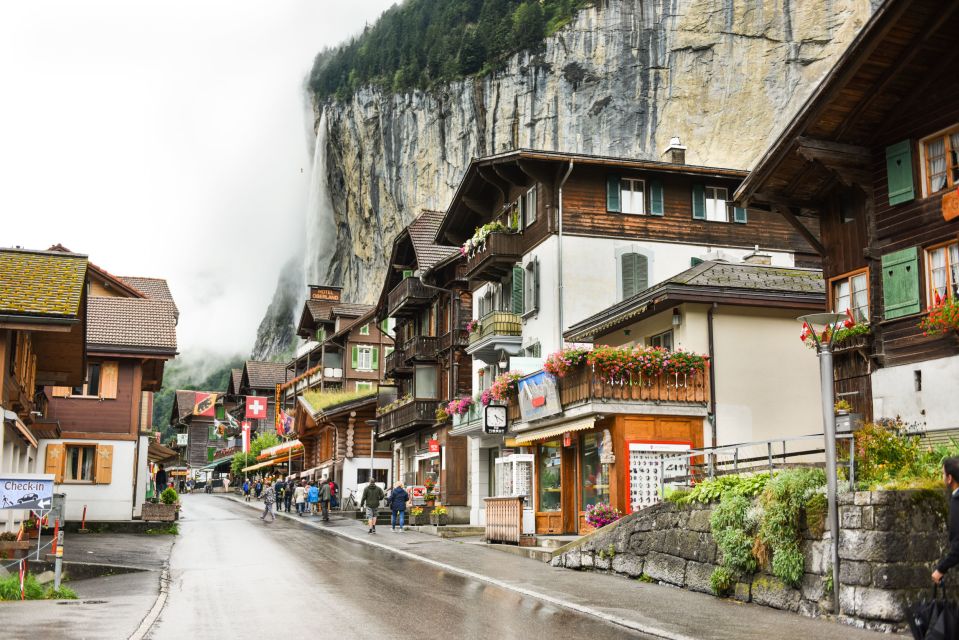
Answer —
(632, 196)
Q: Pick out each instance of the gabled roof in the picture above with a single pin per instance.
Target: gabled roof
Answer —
(711, 281)
(422, 232)
(263, 375)
(133, 325)
(353, 323)
(351, 309)
(233, 384)
(46, 284)
(152, 288)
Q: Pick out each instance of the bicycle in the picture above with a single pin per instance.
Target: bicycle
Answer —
(349, 503)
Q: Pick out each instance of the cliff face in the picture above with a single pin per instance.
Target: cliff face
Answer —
(622, 79)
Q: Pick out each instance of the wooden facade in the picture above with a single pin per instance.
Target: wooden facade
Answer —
(854, 164)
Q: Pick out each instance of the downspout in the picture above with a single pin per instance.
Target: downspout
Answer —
(712, 374)
(454, 331)
(559, 257)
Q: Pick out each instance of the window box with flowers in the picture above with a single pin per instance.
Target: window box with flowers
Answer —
(942, 319)
(439, 516)
(503, 388)
(478, 241)
(848, 337)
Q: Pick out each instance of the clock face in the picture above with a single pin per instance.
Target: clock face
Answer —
(496, 416)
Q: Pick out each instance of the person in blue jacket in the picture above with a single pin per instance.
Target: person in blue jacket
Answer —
(397, 501)
(313, 497)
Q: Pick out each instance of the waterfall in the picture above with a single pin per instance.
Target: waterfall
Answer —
(320, 223)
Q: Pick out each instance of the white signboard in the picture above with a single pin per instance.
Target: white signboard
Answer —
(26, 491)
(649, 463)
(182, 439)
(538, 396)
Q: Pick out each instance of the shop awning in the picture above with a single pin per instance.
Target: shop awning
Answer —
(156, 452)
(522, 439)
(24, 431)
(283, 447)
(277, 460)
(217, 462)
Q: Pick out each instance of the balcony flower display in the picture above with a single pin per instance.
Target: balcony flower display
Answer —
(942, 318)
(396, 404)
(844, 331)
(503, 388)
(625, 365)
(558, 363)
(480, 235)
(601, 514)
(472, 326)
(460, 406)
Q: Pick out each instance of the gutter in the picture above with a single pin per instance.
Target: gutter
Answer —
(712, 374)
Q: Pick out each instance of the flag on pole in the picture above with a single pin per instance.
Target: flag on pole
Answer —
(246, 437)
(284, 423)
(255, 407)
(232, 422)
(205, 404)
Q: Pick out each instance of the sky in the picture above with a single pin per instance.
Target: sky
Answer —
(167, 139)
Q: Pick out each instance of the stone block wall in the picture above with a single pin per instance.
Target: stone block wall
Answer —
(889, 542)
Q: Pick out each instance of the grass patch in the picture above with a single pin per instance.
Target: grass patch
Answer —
(326, 399)
(10, 589)
(645, 578)
(169, 530)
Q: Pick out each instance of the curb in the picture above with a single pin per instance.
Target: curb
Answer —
(146, 625)
(559, 602)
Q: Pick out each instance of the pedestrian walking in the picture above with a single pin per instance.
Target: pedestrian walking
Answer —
(288, 496)
(372, 496)
(226, 484)
(269, 497)
(334, 494)
(325, 498)
(258, 488)
(299, 495)
(246, 490)
(397, 502)
(313, 497)
(280, 487)
(950, 475)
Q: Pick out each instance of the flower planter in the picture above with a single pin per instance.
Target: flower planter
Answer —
(420, 520)
(32, 533)
(158, 512)
(14, 549)
(439, 521)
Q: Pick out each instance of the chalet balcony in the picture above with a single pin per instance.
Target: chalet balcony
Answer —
(421, 349)
(495, 332)
(407, 417)
(313, 379)
(495, 256)
(458, 339)
(395, 364)
(582, 392)
(407, 297)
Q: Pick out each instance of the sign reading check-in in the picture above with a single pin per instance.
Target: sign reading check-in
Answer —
(26, 491)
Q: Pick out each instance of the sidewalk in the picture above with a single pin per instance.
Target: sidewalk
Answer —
(657, 610)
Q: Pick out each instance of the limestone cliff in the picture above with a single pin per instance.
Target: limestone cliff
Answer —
(622, 79)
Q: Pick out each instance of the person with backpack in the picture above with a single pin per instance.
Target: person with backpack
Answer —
(288, 494)
(397, 502)
(258, 489)
(246, 490)
(313, 497)
(280, 488)
(325, 498)
(372, 496)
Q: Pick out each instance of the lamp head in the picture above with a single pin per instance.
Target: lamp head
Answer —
(817, 322)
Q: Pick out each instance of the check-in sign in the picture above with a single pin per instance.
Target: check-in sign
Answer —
(26, 491)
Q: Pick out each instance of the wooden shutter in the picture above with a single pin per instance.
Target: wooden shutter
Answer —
(612, 194)
(699, 202)
(407, 273)
(899, 172)
(104, 464)
(220, 412)
(109, 373)
(375, 359)
(739, 215)
(61, 392)
(355, 355)
(536, 283)
(518, 290)
(628, 267)
(56, 457)
(900, 283)
(656, 205)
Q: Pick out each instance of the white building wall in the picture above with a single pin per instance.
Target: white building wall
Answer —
(935, 406)
(104, 502)
(350, 468)
(142, 474)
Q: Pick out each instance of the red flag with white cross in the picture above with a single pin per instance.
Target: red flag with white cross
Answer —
(255, 407)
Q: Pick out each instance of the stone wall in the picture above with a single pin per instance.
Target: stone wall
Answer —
(889, 542)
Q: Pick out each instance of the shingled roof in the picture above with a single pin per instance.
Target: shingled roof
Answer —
(135, 325)
(184, 402)
(711, 281)
(152, 288)
(423, 236)
(236, 378)
(263, 375)
(41, 283)
(352, 309)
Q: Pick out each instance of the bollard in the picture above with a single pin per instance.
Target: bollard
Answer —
(83, 521)
(58, 565)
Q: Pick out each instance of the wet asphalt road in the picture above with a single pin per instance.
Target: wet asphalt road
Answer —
(233, 576)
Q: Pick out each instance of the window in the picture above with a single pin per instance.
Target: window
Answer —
(364, 358)
(663, 340)
(365, 330)
(550, 477)
(851, 292)
(595, 475)
(92, 386)
(631, 196)
(388, 350)
(634, 273)
(534, 350)
(943, 265)
(531, 287)
(379, 476)
(79, 463)
(321, 334)
(364, 385)
(716, 209)
(424, 381)
(527, 207)
(941, 161)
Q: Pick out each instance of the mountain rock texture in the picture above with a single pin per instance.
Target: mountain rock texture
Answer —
(276, 335)
(625, 76)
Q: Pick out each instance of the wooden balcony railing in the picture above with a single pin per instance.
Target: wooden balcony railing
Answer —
(407, 296)
(445, 341)
(421, 348)
(495, 257)
(395, 363)
(412, 414)
(497, 323)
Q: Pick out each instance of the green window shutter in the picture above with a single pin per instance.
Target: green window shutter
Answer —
(518, 290)
(656, 205)
(739, 215)
(385, 325)
(536, 283)
(209, 453)
(900, 283)
(407, 273)
(612, 193)
(375, 359)
(635, 273)
(220, 412)
(355, 355)
(699, 202)
(320, 334)
(642, 272)
(694, 261)
(899, 172)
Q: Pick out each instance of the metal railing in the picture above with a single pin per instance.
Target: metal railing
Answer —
(497, 323)
(754, 457)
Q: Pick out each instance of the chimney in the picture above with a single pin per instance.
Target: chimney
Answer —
(324, 292)
(758, 258)
(675, 153)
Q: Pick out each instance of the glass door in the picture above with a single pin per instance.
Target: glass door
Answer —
(593, 475)
(549, 504)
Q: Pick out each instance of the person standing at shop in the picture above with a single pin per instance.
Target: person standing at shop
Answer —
(325, 498)
(398, 499)
(288, 496)
(160, 480)
(313, 497)
(299, 496)
(372, 496)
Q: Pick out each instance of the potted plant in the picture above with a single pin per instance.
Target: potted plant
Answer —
(438, 517)
(943, 318)
(842, 407)
(30, 528)
(417, 516)
(167, 510)
(429, 496)
(601, 514)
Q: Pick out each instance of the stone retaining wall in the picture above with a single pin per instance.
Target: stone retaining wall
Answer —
(888, 544)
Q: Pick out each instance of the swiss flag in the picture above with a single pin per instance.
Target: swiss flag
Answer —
(255, 407)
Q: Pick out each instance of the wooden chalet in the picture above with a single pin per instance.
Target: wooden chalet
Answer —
(868, 172)
(260, 379)
(101, 457)
(427, 294)
(43, 327)
(196, 440)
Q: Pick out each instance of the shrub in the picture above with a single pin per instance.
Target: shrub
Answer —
(722, 581)
(10, 587)
(788, 563)
(169, 496)
(63, 593)
(732, 532)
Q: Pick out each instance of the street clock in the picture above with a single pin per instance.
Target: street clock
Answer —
(494, 419)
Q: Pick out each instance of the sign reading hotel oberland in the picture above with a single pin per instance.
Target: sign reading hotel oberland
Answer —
(26, 491)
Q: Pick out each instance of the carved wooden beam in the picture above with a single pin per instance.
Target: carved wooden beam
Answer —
(790, 215)
(490, 176)
(510, 174)
(478, 206)
(538, 172)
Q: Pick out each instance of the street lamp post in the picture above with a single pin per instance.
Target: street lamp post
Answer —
(374, 424)
(824, 350)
